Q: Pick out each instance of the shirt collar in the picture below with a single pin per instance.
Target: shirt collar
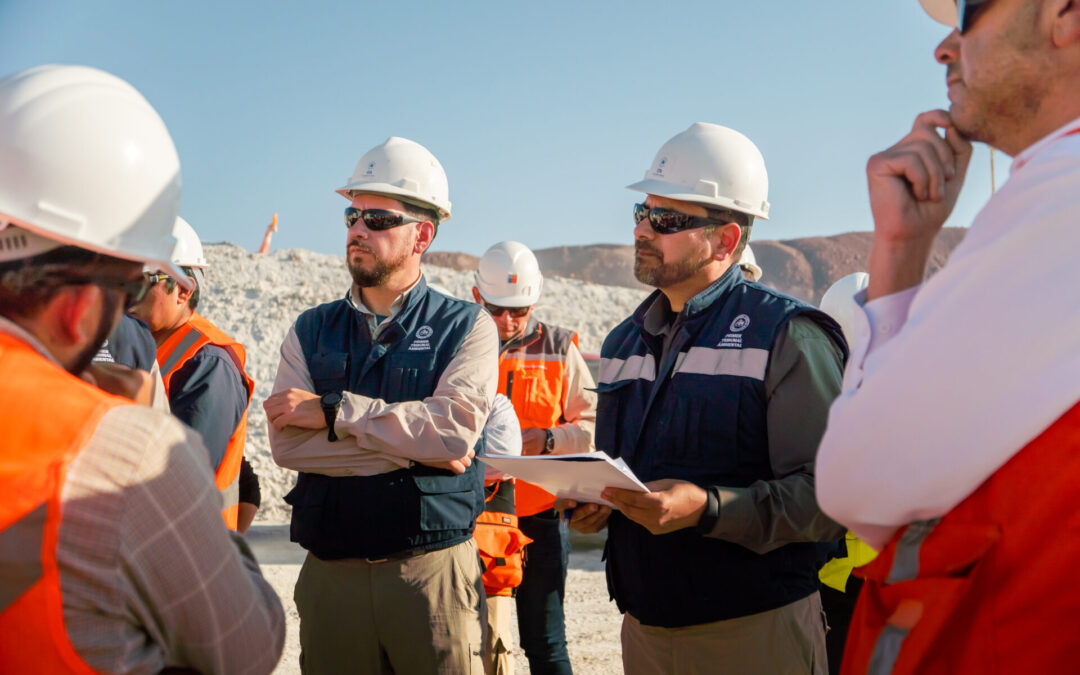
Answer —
(1029, 153)
(15, 330)
(395, 306)
(655, 315)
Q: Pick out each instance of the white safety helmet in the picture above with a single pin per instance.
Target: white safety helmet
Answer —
(509, 276)
(85, 161)
(188, 251)
(839, 301)
(748, 261)
(711, 165)
(404, 170)
(942, 11)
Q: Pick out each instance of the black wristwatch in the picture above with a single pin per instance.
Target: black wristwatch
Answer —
(331, 404)
(549, 442)
(711, 513)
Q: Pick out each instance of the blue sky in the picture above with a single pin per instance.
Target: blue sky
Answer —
(541, 113)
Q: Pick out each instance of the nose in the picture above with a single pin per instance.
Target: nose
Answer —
(948, 50)
(643, 230)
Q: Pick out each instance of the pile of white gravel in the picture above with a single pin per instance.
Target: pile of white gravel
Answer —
(256, 298)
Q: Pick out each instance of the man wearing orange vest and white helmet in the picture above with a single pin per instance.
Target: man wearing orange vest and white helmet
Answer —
(113, 557)
(202, 368)
(955, 443)
(544, 375)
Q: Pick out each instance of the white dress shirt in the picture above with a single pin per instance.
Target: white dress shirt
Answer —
(949, 380)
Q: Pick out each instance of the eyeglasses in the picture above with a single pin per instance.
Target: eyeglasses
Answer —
(134, 289)
(670, 221)
(157, 278)
(516, 312)
(378, 219)
(966, 11)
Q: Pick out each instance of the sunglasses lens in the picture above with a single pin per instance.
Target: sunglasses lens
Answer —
(641, 212)
(374, 219)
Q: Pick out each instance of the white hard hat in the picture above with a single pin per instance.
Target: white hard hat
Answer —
(711, 165)
(404, 170)
(509, 276)
(748, 262)
(942, 11)
(839, 301)
(188, 251)
(86, 161)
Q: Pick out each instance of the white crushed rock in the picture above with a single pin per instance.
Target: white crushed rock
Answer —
(256, 298)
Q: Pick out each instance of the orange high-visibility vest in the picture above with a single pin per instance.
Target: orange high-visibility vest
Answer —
(499, 540)
(171, 356)
(991, 586)
(533, 376)
(48, 416)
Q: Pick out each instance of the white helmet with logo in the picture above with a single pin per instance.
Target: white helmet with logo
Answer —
(749, 264)
(711, 165)
(404, 170)
(188, 251)
(509, 276)
(85, 161)
(839, 301)
(942, 11)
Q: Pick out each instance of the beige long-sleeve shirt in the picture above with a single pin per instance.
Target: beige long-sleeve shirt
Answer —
(149, 575)
(377, 437)
(579, 409)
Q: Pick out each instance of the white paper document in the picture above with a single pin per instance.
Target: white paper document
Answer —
(580, 477)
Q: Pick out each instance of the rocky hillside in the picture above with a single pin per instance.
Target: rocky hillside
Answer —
(803, 268)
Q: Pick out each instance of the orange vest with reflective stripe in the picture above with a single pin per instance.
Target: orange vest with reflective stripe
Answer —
(532, 375)
(171, 356)
(48, 416)
(991, 587)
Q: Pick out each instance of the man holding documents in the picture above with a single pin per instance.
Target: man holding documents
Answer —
(543, 374)
(715, 393)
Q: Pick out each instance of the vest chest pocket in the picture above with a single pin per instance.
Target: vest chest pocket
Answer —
(537, 392)
(329, 371)
(610, 411)
(699, 428)
(409, 377)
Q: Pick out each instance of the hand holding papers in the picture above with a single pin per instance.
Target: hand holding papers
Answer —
(579, 477)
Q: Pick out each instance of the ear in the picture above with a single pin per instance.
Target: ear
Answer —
(1066, 27)
(476, 295)
(75, 322)
(724, 239)
(425, 233)
(182, 294)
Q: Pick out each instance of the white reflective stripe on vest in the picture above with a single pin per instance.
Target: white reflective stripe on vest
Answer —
(748, 362)
(634, 368)
(20, 555)
(886, 650)
(230, 496)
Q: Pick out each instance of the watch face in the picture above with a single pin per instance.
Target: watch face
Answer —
(330, 399)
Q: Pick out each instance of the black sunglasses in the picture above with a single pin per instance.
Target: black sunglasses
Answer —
(378, 219)
(134, 289)
(516, 312)
(966, 11)
(670, 221)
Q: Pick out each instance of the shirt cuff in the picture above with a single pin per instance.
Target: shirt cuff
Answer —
(886, 315)
(354, 408)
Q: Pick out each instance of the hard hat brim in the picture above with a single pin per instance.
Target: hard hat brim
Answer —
(506, 300)
(942, 11)
(663, 189)
(394, 191)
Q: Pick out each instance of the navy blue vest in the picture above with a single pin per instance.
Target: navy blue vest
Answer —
(699, 416)
(419, 508)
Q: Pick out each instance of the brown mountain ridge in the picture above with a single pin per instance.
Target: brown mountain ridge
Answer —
(803, 268)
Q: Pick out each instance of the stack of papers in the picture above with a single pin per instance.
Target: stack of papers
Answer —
(579, 477)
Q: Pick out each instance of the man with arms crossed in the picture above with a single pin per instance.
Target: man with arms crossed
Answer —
(715, 392)
(380, 402)
(955, 445)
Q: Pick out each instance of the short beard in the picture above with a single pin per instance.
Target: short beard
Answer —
(378, 275)
(664, 274)
(106, 324)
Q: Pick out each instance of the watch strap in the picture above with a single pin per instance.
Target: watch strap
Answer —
(712, 511)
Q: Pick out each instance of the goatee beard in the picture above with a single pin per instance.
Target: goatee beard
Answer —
(379, 272)
(662, 274)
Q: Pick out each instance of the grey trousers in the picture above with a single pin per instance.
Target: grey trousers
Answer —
(424, 614)
(789, 639)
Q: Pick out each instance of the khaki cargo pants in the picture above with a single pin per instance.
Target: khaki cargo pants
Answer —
(424, 614)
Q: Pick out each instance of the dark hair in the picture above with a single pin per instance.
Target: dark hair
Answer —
(27, 285)
(193, 301)
(423, 213)
(744, 220)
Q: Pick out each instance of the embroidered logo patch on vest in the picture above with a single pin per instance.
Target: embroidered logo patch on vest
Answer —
(421, 342)
(741, 323)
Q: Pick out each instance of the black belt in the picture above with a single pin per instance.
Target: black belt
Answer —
(404, 555)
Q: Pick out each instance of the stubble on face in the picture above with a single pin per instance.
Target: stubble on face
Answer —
(378, 271)
(1003, 80)
(654, 271)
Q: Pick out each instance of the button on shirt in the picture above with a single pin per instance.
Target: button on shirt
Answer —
(948, 380)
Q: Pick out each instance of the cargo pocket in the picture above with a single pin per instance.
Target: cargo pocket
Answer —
(610, 410)
(448, 502)
(411, 376)
(329, 371)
